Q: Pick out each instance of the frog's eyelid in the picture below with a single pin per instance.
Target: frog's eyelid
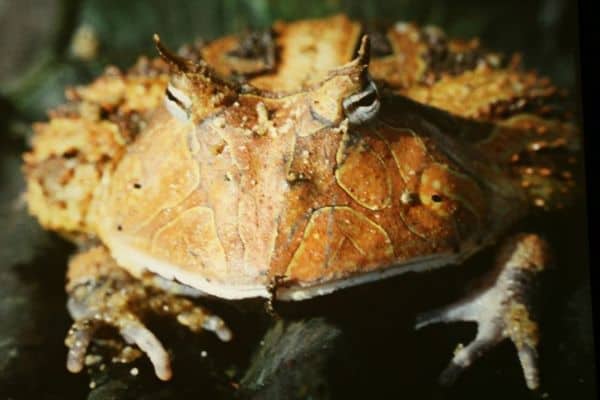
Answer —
(178, 103)
(179, 97)
(174, 99)
(362, 106)
(175, 108)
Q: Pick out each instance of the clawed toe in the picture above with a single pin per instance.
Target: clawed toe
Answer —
(191, 315)
(528, 357)
(114, 298)
(501, 310)
(494, 324)
(464, 356)
(78, 340)
(135, 332)
(217, 325)
(131, 329)
(461, 311)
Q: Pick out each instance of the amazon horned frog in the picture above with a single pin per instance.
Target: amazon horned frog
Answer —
(315, 155)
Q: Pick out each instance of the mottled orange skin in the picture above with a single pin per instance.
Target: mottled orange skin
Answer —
(271, 180)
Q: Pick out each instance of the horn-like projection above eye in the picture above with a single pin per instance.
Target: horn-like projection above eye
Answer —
(362, 106)
(179, 62)
(196, 90)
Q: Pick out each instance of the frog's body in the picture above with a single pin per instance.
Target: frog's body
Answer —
(318, 167)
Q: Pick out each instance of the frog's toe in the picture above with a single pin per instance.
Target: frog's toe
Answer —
(502, 308)
(461, 311)
(528, 357)
(191, 315)
(78, 339)
(464, 356)
(103, 294)
(131, 329)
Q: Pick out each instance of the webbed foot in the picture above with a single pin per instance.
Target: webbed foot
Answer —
(102, 293)
(502, 308)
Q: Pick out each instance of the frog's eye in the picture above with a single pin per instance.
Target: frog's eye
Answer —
(178, 103)
(362, 106)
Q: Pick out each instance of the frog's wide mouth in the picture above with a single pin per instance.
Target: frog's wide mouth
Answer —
(303, 292)
(137, 262)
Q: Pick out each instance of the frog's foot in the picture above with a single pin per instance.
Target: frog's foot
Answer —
(501, 307)
(102, 293)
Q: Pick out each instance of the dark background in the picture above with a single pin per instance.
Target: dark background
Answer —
(356, 344)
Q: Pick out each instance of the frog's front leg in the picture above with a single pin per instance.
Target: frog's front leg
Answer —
(502, 308)
(102, 293)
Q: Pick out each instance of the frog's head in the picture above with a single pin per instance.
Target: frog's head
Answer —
(195, 91)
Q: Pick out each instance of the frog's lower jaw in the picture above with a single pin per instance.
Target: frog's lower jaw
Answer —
(501, 308)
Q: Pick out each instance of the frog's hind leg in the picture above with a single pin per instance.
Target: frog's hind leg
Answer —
(102, 293)
(501, 307)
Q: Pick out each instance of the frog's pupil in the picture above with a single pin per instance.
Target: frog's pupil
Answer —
(366, 101)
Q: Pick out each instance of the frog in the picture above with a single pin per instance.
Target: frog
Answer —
(290, 163)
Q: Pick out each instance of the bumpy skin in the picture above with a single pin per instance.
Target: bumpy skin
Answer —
(102, 293)
(266, 166)
(85, 139)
